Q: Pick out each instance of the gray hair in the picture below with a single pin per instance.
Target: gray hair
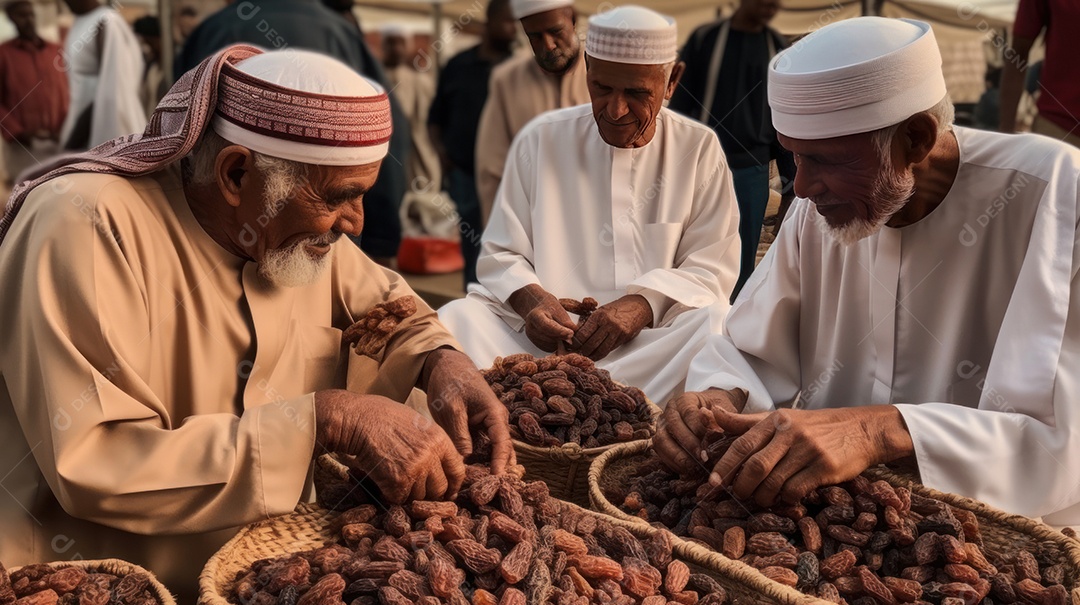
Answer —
(943, 113)
(282, 176)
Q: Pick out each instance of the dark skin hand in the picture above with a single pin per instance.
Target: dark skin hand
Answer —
(406, 456)
(787, 453)
(686, 420)
(547, 324)
(459, 399)
(612, 325)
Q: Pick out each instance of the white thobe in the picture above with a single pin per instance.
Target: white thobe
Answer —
(582, 218)
(968, 321)
(109, 77)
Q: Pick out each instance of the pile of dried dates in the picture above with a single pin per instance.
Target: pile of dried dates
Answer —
(42, 584)
(502, 542)
(862, 542)
(563, 399)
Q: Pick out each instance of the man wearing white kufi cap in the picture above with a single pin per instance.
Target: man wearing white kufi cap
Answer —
(551, 77)
(922, 300)
(173, 309)
(623, 201)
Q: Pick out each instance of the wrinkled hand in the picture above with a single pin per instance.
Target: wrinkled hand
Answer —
(460, 399)
(787, 453)
(547, 324)
(407, 457)
(684, 423)
(612, 325)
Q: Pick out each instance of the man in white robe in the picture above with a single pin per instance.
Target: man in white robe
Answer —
(105, 69)
(173, 312)
(922, 300)
(623, 201)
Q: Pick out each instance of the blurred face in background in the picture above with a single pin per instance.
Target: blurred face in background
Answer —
(761, 11)
(22, 16)
(395, 50)
(501, 26)
(553, 38)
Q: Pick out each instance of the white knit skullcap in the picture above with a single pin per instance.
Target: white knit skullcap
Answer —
(526, 8)
(303, 106)
(856, 75)
(632, 34)
(393, 30)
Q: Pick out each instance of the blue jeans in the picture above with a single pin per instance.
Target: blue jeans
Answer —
(462, 189)
(752, 195)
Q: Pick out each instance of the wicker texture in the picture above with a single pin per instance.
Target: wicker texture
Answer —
(1002, 532)
(565, 469)
(117, 567)
(311, 527)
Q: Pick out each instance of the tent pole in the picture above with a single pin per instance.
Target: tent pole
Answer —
(165, 19)
(437, 14)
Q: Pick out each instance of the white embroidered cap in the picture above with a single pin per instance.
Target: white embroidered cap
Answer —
(526, 8)
(856, 75)
(632, 34)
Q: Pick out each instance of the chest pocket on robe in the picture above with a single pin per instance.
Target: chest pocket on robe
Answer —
(660, 244)
(322, 352)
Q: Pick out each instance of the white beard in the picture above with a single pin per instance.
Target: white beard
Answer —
(293, 267)
(891, 192)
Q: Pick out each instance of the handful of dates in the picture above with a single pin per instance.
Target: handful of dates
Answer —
(502, 542)
(861, 542)
(563, 399)
(41, 584)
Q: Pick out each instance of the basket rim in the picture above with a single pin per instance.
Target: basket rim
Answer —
(161, 592)
(740, 571)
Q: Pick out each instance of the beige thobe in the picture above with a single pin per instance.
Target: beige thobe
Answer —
(518, 92)
(153, 384)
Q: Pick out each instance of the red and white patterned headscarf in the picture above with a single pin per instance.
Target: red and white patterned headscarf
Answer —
(291, 104)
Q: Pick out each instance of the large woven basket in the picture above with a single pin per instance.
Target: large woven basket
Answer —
(118, 567)
(1002, 532)
(311, 527)
(565, 468)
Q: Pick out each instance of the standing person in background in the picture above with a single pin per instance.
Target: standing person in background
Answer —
(1059, 103)
(525, 87)
(345, 9)
(724, 87)
(105, 68)
(148, 31)
(310, 25)
(414, 92)
(33, 93)
(455, 117)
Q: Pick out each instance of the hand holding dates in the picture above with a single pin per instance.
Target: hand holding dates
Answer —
(787, 453)
(407, 456)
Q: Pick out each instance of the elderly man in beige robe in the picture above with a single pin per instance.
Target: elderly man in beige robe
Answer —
(552, 77)
(173, 309)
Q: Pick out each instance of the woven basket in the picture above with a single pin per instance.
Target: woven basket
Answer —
(117, 567)
(1002, 532)
(565, 468)
(311, 527)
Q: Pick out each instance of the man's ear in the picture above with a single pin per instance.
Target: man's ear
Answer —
(920, 134)
(233, 171)
(673, 81)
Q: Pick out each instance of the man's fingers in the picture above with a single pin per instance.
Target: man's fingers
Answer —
(756, 469)
(737, 424)
(586, 331)
(673, 425)
(454, 470)
(436, 484)
(591, 344)
(740, 451)
(801, 484)
(673, 455)
(502, 449)
(552, 329)
(612, 342)
(790, 465)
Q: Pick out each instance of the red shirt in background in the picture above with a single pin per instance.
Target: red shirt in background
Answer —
(1059, 101)
(33, 89)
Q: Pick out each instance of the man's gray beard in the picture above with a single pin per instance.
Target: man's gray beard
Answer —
(294, 266)
(891, 192)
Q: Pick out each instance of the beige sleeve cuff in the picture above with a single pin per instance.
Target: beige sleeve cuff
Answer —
(284, 442)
